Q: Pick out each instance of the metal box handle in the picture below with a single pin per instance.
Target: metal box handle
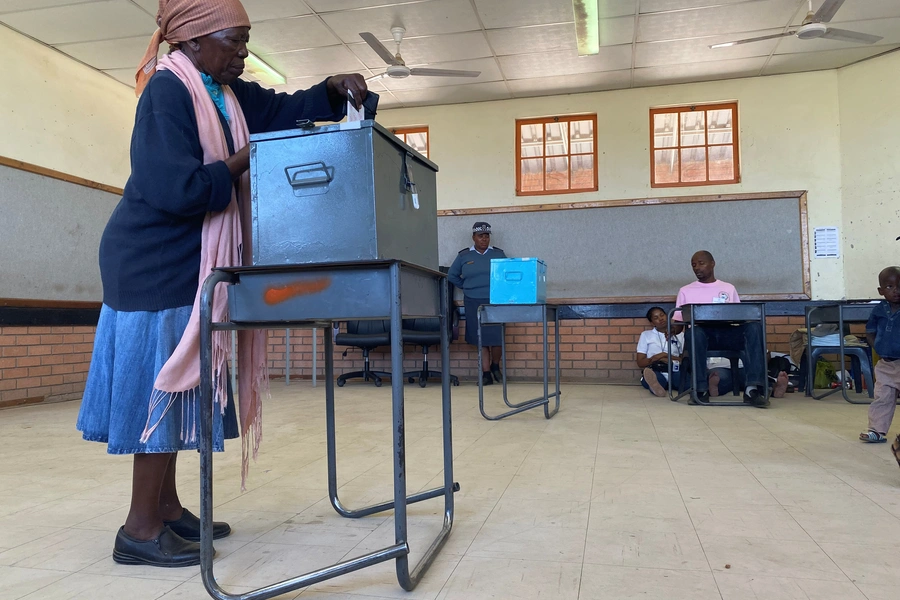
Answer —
(309, 179)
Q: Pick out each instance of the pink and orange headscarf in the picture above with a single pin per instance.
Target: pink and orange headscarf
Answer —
(183, 20)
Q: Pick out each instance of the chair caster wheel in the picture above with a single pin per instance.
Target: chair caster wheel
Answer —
(340, 382)
(456, 383)
(377, 383)
(410, 379)
(422, 382)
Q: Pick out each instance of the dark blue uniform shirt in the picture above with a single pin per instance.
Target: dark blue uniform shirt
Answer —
(886, 327)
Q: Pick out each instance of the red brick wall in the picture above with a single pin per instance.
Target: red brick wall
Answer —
(41, 363)
(591, 350)
(51, 363)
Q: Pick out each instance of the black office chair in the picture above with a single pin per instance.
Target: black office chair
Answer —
(426, 333)
(365, 335)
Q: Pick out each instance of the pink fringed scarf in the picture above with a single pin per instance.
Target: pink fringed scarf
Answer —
(221, 247)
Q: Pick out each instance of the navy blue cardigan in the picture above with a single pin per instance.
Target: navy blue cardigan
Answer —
(150, 249)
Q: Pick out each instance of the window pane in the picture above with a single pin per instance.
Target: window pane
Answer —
(557, 173)
(693, 127)
(532, 172)
(721, 163)
(557, 139)
(720, 126)
(583, 172)
(582, 137)
(532, 140)
(693, 165)
(419, 142)
(665, 134)
(665, 166)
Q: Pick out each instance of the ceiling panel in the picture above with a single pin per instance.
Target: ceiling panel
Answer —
(424, 18)
(860, 10)
(547, 38)
(548, 64)
(126, 76)
(476, 92)
(151, 6)
(83, 22)
(708, 71)
(290, 34)
(889, 29)
(817, 61)
(488, 67)
(654, 54)
(429, 49)
(262, 10)
(540, 38)
(323, 6)
(317, 61)
(732, 18)
(17, 5)
(110, 54)
(570, 84)
(497, 14)
(652, 6)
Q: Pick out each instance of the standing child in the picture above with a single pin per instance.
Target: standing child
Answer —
(883, 334)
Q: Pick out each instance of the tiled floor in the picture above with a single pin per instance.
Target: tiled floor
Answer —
(621, 495)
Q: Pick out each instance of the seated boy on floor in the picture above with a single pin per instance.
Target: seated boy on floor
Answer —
(746, 337)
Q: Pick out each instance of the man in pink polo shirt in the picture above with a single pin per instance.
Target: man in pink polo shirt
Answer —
(746, 337)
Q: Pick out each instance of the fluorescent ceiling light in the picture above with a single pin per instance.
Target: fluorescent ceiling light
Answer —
(587, 25)
(723, 45)
(262, 70)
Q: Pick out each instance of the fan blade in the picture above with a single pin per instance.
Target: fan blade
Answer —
(751, 40)
(376, 77)
(444, 73)
(827, 11)
(845, 35)
(378, 47)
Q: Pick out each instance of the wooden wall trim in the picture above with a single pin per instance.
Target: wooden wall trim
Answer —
(625, 202)
(24, 166)
(29, 303)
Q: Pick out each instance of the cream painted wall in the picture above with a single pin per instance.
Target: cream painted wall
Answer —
(869, 95)
(60, 114)
(790, 140)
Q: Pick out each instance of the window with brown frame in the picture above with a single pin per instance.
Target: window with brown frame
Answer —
(417, 137)
(694, 145)
(556, 155)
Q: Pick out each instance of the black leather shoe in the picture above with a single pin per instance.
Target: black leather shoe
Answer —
(703, 398)
(756, 399)
(495, 371)
(486, 378)
(167, 550)
(188, 527)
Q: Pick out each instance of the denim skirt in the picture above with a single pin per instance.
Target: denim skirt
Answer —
(130, 348)
(491, 335)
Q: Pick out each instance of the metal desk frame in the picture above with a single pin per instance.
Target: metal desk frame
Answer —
(697, 314)
(855, 312)
(362, 289)
(502, 314)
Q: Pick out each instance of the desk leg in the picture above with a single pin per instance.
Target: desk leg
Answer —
(547, 412)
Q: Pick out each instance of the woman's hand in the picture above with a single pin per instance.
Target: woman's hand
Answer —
(349, 86)
(238, 162)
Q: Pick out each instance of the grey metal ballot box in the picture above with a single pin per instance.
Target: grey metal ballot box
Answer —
(340, 193)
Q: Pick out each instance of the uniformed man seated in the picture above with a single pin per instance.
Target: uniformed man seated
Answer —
(471, 272)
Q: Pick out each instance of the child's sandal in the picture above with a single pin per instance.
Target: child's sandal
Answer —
(872, 437)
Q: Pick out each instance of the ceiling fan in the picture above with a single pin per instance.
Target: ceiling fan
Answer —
(814, 26)
(396, 68)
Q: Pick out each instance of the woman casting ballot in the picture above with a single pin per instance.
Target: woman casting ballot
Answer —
(181, 215)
